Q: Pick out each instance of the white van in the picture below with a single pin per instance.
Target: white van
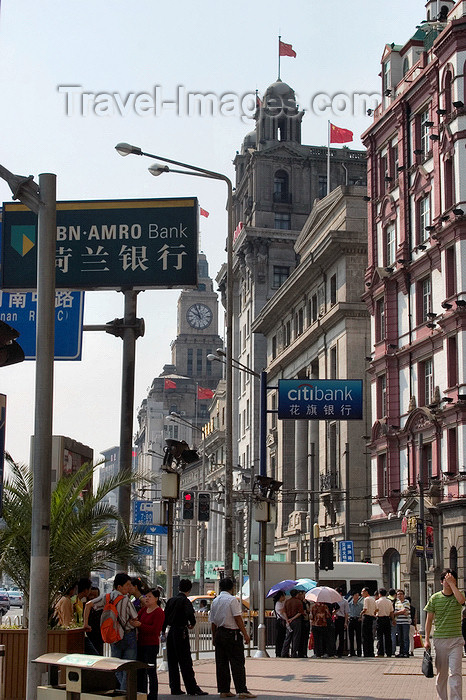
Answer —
(352, 576)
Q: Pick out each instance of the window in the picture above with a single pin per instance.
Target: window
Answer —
(379, 320)
(333, 290)
(424, 218)
(381, 396)
(333, 453)
(274, 347)
(447, 92)
(199, 360)
(452, 466)
(282, 221)
(426, 457)
(287, 338)
(426, 382)
(449, 185)
(322, 186)
(450, 271)
(314, 312)
(390, 248)
(424, 305)
(394, 569)
(333, 363)
(208, 365)
(189, 366)
(299, 322)
(387, 76)
(382, 475)
(280, 275)
(395, 160)
(280, 187)
(424, 143)
(405, 65)
(452, 361)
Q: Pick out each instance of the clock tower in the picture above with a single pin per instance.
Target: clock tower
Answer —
(197, 332)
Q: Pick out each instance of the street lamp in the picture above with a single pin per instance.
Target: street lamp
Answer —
(41, 199)
(125, 149)
(175, 418)
(221, 356)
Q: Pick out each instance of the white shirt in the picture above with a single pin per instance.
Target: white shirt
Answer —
(343, 609)
(384, 607)
(369, 605)
(224, 609)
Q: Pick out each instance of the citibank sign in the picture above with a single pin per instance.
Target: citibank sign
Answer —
(320, 399)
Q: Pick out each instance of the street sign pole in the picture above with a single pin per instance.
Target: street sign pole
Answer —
(42, 454)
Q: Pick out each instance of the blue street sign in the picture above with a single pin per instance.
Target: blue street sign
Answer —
(19, 309)
(151, 529)
(143, 512)
(320, 399)
(346, 548)
(146, 551)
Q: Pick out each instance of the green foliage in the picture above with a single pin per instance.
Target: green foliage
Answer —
(80, 539)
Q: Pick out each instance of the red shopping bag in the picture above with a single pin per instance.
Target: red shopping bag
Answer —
(311, 641)
(418, 643)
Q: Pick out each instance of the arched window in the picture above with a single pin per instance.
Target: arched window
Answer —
(392, 570)
(405, 65)
(281, 187)
(453, 559)
(447, 91)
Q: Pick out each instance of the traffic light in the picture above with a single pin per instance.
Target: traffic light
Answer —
(188, 505)
(10, 351)
(326, 555)
(203, 507)
(179, 451)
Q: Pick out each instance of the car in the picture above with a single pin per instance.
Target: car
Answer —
(16, 598)
(4, 602)
(196, 600)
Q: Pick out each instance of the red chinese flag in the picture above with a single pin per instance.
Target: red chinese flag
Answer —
(203, 393)
(205, 213)
(286, 50)
(338, 135)
(170, 384)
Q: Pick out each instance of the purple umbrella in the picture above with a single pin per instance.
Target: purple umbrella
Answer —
(287, 585)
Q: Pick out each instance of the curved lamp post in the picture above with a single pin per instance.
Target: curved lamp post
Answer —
(125, 149)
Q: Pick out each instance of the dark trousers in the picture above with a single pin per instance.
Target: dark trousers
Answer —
(293, 638)
(305, 632)
(368, 635)
(229, 654)
(320, 640)
(179, 659)
(384, 636)
(354, 628)
(280, 634)
(340, 634)
(148, 655)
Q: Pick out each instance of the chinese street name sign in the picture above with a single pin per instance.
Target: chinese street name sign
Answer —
(19, 309)
(118, 244)
(419, 546)
(320, 399)
(346, 548)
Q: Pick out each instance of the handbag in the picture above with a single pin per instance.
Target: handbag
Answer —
(427, 666)
(418, 643)
(311, 641)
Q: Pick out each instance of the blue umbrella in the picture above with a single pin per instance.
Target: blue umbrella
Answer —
(281, 586)
(305, 584)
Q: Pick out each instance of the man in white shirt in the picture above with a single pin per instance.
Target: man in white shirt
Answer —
(227, 628)
(385, 620)
(368, 616)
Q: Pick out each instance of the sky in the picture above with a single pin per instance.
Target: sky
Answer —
(76, 78)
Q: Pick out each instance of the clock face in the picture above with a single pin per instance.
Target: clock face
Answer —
(199, 316)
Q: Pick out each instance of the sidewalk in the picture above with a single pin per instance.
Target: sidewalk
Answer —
(325, 679)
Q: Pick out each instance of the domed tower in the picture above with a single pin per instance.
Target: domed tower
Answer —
(278, 118)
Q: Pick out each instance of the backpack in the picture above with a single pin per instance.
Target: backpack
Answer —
(110, 622)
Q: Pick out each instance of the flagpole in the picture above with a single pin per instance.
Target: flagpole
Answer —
(328, 158)
(279, 39)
